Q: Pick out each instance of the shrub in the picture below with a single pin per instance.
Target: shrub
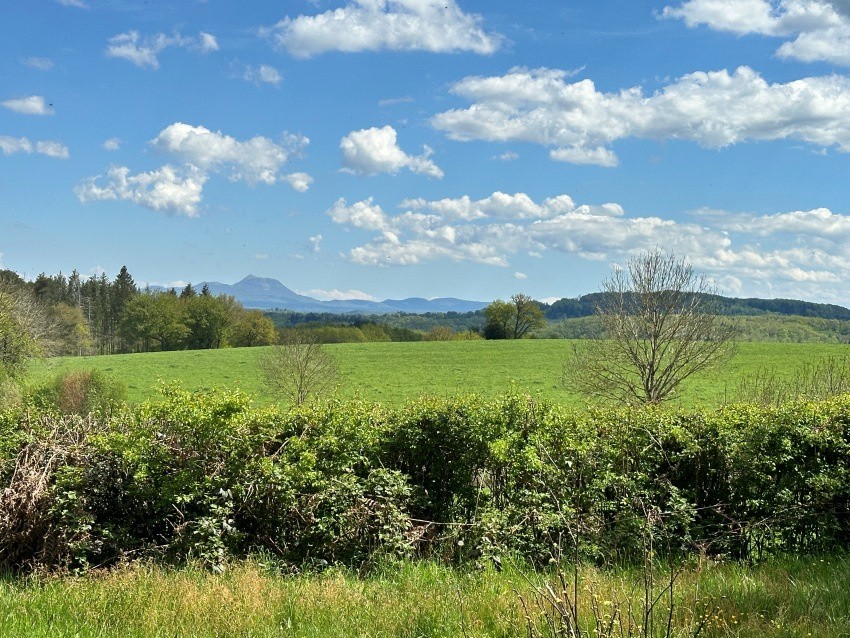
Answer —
(205, 476)
(81, 392)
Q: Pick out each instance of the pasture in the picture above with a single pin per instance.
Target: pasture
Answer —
(394, 373)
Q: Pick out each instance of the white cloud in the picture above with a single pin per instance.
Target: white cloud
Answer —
(508, 156)
(79, 4)
(337, 295)
(361, 214)
(374, 25)
(713, 109)
(395, 100)
(112, 144)
(375, 150)
(521, 276)
(31, 105)
(10, 145)
(815, 30)
(178, 189)
(42, 64)
(167, 190)
(52, 149)
(258, 159)
(497, 205)
(797, 254)
(207, 42)
(261, 256)
(299, 181)
(262, 74)
(143, 51)
(487, 231)
(316, 243)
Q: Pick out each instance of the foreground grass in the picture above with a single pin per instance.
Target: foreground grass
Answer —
(787, 598)
(394, 373)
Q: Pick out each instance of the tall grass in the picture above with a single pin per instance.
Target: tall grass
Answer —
(795, 597)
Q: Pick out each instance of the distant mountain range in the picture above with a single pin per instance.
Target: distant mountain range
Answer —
(266, 294)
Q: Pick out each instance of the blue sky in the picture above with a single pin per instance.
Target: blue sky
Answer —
(394, 148)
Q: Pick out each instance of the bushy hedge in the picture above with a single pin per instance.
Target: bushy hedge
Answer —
(206, 476)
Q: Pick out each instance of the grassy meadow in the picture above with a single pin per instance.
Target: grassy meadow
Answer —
(393, 373)
(788, 597)
(784, 598)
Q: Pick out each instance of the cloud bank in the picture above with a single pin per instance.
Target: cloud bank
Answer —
(579, 123)
(794, 253)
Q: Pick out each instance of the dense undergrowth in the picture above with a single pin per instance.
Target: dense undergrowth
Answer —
(206, 477)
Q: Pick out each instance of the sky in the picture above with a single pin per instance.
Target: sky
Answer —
(382, 149)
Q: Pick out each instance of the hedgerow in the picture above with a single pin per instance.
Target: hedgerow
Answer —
(205, 476)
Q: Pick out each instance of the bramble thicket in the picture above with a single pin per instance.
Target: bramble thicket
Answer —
(208, 477)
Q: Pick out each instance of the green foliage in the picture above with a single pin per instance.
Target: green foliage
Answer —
(253, 328)
(207, 477)
(513, 319)
(19, 331)
(81, 392)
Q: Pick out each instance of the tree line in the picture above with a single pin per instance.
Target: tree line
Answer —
(73, 315)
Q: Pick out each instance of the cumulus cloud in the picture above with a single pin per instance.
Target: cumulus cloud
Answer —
(316, 243)
(201, 152)
(373, 25)
(112, 144)
(375, 150)
(814, 30)
(258, 159)
(714, 109)
(802, 254)
(11, 145)
(299, 181)
(143, 51)
(30, 105)
(166, 190)
(262, 74)
(488, 230)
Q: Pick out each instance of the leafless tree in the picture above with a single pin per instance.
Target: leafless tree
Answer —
(26, 330)
(299, 367)
(661, 325)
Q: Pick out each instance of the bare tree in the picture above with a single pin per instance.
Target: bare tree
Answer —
(660, 326)
(299, 367)
(26, 330)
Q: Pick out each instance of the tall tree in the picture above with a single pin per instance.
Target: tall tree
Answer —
(661, 327)
(512, 319)
(253, 328)
(208, 321)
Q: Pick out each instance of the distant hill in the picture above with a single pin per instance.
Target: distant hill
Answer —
(266, 294)
(732, 306)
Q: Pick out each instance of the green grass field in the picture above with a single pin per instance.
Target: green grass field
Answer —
(393, 373)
